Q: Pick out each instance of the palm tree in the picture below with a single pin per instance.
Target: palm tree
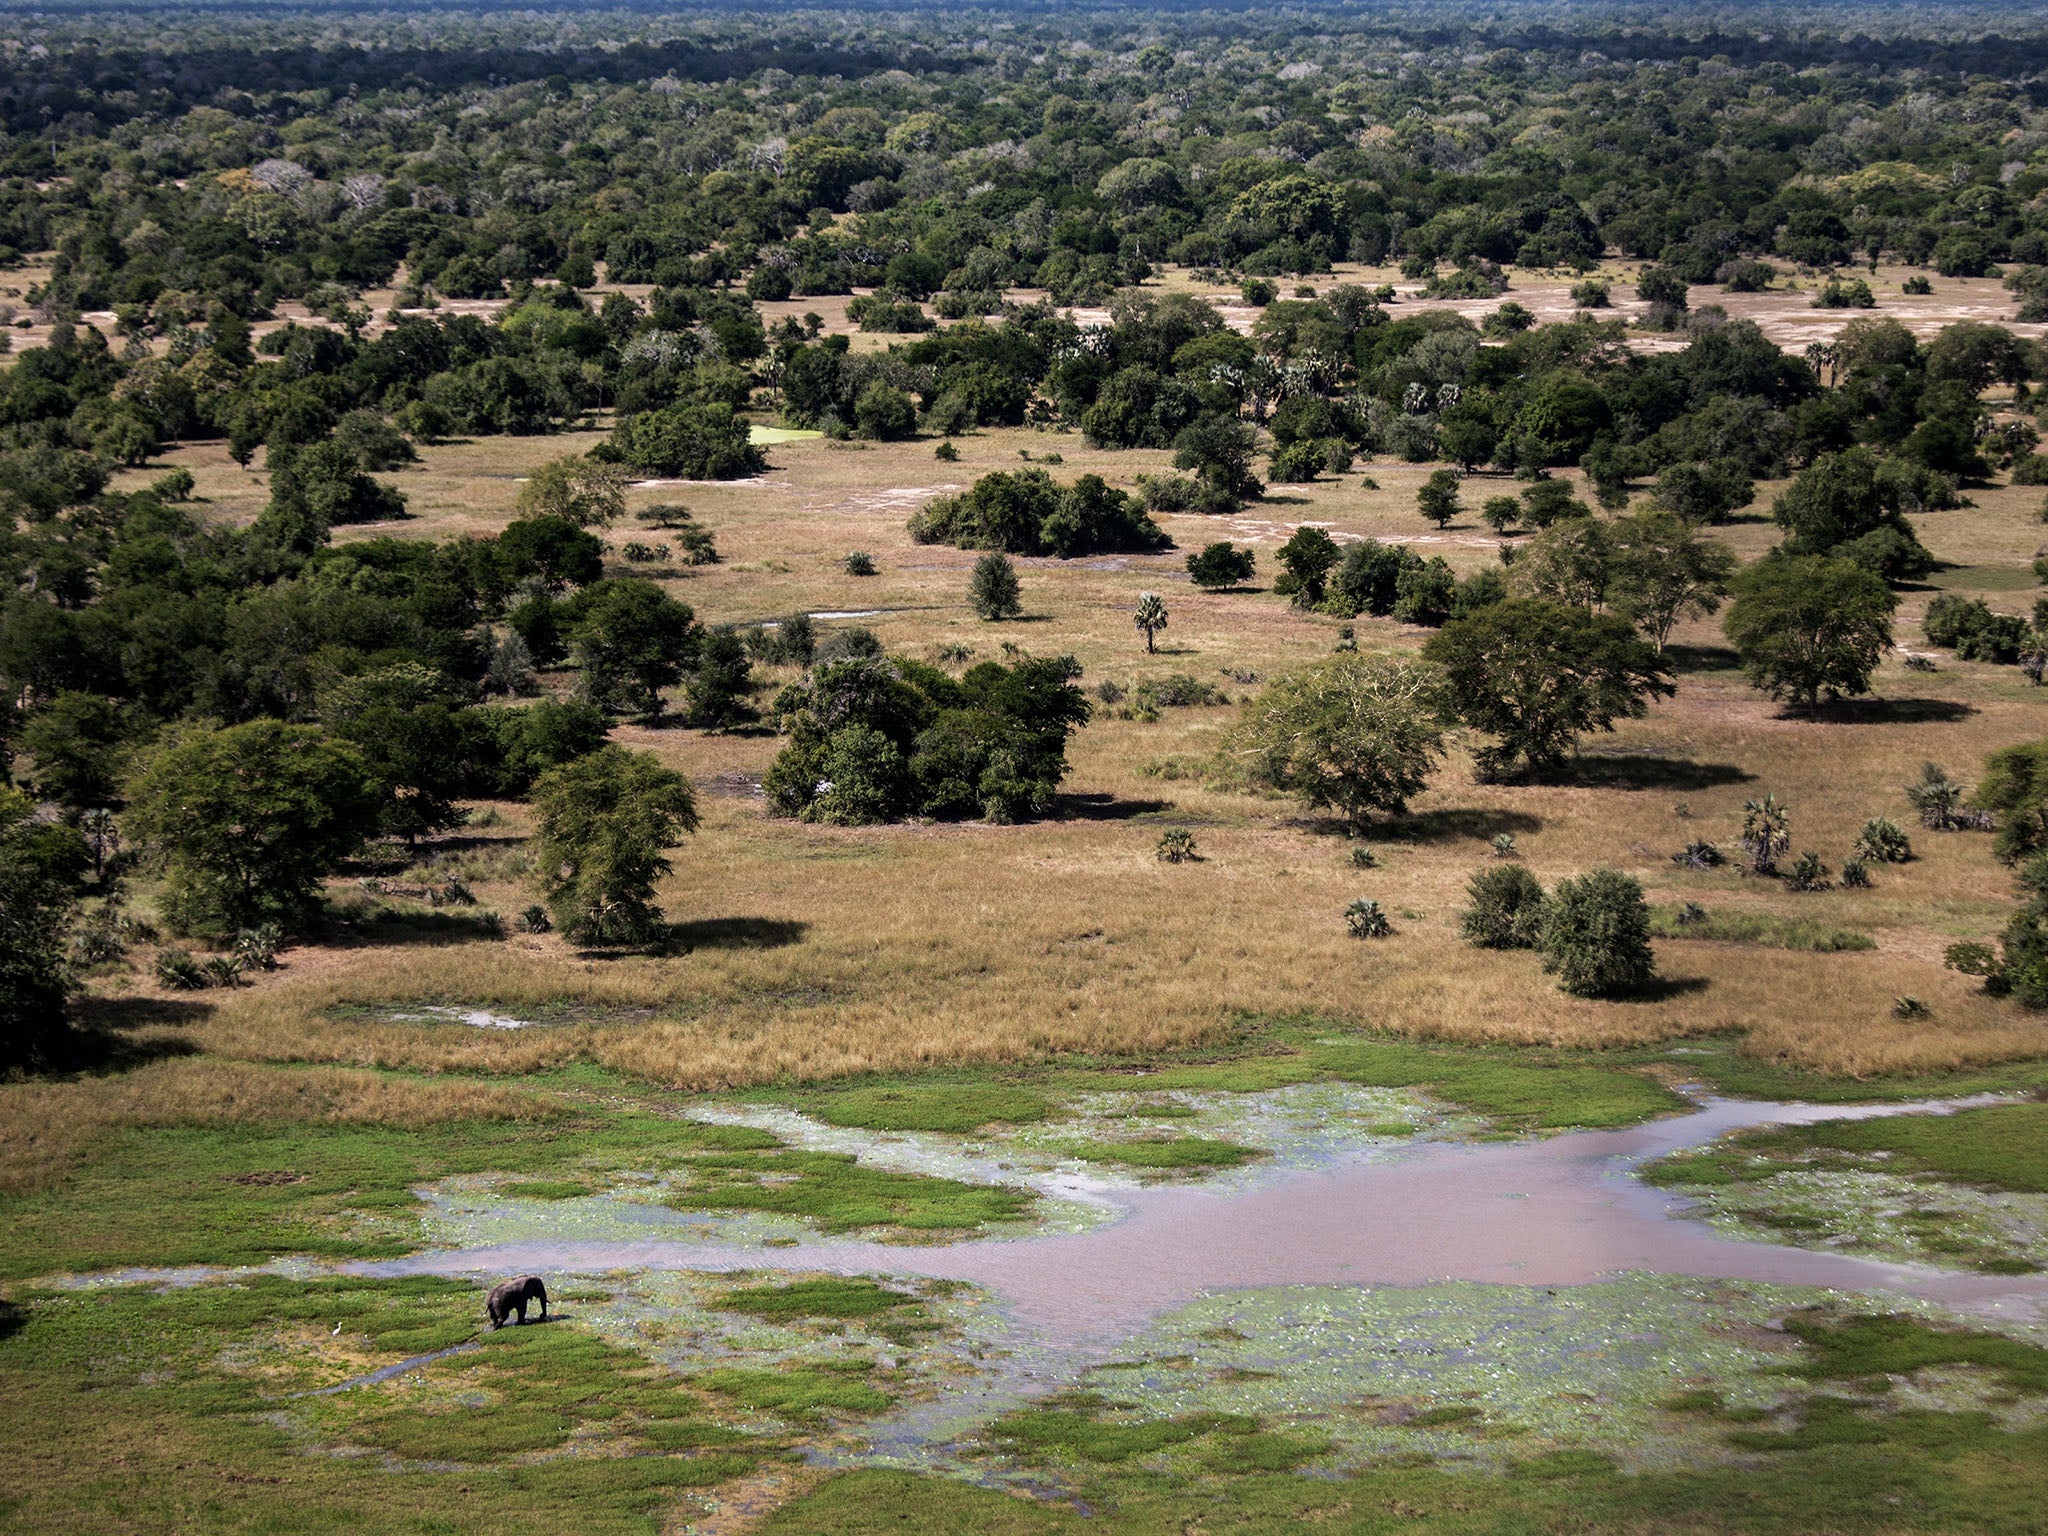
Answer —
(1150, 617)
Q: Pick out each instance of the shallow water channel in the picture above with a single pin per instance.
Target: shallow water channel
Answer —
(1560, 1211)
(1376, 1262)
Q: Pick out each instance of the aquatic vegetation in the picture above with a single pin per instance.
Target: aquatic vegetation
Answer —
(840, 1195)
(1164, 1152)
(911, 1107)
(1968, 1188)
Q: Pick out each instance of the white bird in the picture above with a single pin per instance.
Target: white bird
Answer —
(337, 1332)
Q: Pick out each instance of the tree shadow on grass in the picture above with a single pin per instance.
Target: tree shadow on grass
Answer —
(1701, 658)
(733, 933)
(1602, 770)
(1464, 821)
(1886, 712)
(12, 1319)
(1661, 989)
(102, 1039)
(428, 928)
(1105, 807)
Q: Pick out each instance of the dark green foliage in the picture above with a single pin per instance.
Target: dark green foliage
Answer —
(720, 682)
(1883, 841)
(633, 642)
(39, 866)
(605, 822)
(405, 722)
(1306, 560)
(1809, 628)
(2014, 790)
(1705, 492)
(80, 744)
(1507, 908)
(992, 589)
(1221, 565)
(1843, 499)
(1596, 935)
(1538, 675)
(1367, 919)
(1437, 500)
(249, 819)
(873, 739)
(508, 747)
(1973, 631)
(1025, 512)
(1807, 873)
(1219, 449)
(688, 442)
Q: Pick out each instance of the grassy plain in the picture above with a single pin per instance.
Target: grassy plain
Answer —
(945, 977)
(809, 951)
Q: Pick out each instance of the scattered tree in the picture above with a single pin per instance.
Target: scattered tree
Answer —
(249, 820)
(993, 590)
(1437, 500)
(1506, 911)
(1306, 560)
(1808, 627)
(1661, 569)
(1355, 733)
(604, 825)
(1538, 675)
(633, 642)
(1150, 617)
(1596, 935)
(577, 489)
(1221, 565)
(38, 871)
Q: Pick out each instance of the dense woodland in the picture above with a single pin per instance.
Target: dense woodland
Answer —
(173, 182)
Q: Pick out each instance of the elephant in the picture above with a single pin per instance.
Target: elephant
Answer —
(513, 1296)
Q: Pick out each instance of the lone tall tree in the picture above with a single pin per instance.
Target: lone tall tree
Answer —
(1538, 675)
(1354, 733)
(1150, 617)
(1808, 627)
(606, 822)
(1438, 498)
(993, 589)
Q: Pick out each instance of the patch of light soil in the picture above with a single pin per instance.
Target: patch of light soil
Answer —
(475, 1018)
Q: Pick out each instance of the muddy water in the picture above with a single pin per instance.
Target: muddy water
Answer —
(1559, 1212)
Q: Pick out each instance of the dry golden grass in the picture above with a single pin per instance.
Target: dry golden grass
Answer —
(971, 943)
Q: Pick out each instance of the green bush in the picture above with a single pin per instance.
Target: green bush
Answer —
(1221, 565)
(1883, 841)
(1596, 935)
(993, 591)
(1808, 873)
(1367, 919)
(1506, 910)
